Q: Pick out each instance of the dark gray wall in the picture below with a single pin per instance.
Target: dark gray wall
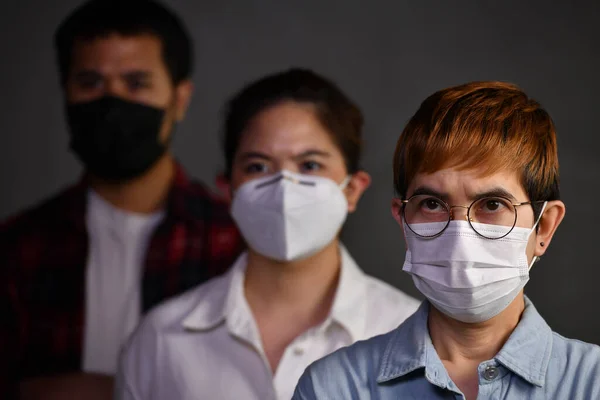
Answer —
(389, 55)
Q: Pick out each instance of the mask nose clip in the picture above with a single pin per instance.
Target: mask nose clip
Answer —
(291, 179)
(295, 179)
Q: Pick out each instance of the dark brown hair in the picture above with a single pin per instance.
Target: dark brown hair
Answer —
(97, 18)
(338, 114)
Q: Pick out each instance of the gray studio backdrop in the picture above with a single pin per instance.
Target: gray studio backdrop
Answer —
(388, 55)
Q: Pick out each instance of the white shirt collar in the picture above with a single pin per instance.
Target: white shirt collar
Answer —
(122, 222)
(224, 300)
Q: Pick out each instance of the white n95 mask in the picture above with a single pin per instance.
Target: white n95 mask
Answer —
(464, 275)
(289, 216)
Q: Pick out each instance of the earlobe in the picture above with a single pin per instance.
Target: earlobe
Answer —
(549, 222)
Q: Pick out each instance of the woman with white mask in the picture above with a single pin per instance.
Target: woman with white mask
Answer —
(476, 174)
(292, 148)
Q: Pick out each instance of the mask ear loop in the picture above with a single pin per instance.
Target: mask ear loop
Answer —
(345, 182)
(536, 258)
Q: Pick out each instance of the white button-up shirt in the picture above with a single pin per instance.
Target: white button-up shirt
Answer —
(205, 344)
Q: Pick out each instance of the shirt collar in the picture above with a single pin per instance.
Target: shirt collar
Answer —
(105, 212)
(225, 300)
(526, 352)
(220, 299)
(409, 348)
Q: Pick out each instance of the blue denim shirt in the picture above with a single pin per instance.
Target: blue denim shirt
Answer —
(535, 363)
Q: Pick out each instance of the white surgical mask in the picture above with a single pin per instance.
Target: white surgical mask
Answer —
(289, 216)
(464, 275)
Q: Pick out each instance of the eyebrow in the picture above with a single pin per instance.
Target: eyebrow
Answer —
(88, 73)
(254, 154)
(137, 74)
(133, 74)
(493, 192)
(312, 152)
(307, 153)
(425, 190)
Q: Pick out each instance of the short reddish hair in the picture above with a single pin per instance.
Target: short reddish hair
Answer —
(488, 125)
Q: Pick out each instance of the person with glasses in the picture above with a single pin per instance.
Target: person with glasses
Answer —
(292, 146)
(476, 176)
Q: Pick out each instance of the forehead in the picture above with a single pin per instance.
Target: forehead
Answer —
(464, 184)
(115, 52)
(286, 129)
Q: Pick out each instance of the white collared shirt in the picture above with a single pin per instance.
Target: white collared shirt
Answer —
(118, 241)
(205, 343)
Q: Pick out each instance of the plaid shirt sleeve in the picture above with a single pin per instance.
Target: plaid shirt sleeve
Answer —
(41, 292)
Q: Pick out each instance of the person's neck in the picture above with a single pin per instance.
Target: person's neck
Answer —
(458, 342)
(145, 194)
(305, 287)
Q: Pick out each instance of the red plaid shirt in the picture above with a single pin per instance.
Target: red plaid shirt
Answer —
(43, 256)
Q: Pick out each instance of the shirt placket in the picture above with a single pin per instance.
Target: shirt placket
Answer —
(293, 362)
(242, 325)
(490, 380)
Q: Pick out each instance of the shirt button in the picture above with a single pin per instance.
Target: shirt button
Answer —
(298, 351)
(491, 373)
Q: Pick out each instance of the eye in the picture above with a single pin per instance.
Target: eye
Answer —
(310, 166)
(135, 84)
(424, 208)
(89, 82)
(493, 205)
(432, 204)
(256, 168)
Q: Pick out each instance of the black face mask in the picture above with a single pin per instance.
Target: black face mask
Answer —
(115, 139)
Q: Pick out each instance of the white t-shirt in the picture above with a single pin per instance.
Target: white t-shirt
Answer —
(118, 241)
(205, 343)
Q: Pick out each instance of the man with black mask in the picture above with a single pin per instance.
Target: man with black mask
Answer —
(78, 271)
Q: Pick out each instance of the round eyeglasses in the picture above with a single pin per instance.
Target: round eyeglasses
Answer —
(497, 211)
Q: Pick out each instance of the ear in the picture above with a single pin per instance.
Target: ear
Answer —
(224, 187)
(183, 95)
(397, 210)
(397, 214)
(359, 182)
(549, 222)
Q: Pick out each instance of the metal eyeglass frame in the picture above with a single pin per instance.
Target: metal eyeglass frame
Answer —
(469, 220)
